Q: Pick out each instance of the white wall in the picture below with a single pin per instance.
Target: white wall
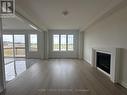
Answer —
(109, 32)
(40, 53)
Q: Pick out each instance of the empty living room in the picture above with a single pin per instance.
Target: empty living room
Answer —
(63, 47)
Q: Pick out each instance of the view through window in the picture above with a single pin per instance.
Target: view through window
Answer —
(33, 42)
(8, 45)
(63, 42)
(14, 45)
(55, 42)
(19, 45)
(70, 42)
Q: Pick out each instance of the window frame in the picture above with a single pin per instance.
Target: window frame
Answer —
(68, 43)
(53, 43)
(60, 43)
(30, 50)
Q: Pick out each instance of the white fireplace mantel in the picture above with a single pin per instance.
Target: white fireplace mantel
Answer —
(115, 60)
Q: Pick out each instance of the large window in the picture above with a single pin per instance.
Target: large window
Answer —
(70, 42)
(33, 42)
(63, 42)
(55, 42)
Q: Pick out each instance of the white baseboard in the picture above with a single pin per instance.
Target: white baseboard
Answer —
(86, 60)
(103, 72)
(123, 84)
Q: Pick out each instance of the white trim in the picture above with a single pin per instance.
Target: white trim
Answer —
(106, 12)
(29, 21)
(67, 53)
(103, 72)
(123, 84)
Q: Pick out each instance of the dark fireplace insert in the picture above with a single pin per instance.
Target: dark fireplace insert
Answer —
(103, 61)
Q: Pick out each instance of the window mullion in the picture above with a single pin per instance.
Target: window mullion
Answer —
(59, 42)
(66, 42)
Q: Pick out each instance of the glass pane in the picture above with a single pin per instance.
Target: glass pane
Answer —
(63, 43)
(19, 44)
(33, 42)
(55, 42)
(10, 71)
(70, 42)
(8, 45)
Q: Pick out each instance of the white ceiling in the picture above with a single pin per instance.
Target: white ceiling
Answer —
(15, 23)
(48, 13)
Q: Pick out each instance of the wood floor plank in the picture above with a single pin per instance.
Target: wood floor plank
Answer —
(63, 77)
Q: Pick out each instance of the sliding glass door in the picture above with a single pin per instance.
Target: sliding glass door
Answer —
(14, 46)
(19, 45)
(8, 45)
(8, 48)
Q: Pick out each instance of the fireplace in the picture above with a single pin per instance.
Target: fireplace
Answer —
(103, 61)
(107, 60)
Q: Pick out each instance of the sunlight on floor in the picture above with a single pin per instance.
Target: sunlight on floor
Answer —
(14, 67)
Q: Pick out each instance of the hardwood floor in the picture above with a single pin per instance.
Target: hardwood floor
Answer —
(63, 77)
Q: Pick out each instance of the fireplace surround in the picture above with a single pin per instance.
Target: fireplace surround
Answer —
(114, 61)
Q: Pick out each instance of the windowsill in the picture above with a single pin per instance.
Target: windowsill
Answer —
(62, 51)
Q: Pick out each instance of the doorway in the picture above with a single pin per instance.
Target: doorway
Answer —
(19, 46)
(8, 48)
(14, 47)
